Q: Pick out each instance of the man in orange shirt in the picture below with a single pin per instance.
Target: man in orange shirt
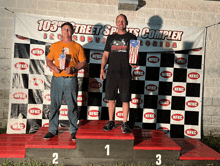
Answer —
(65, 81)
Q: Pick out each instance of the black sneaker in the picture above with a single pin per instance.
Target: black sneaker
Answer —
(109, 126)
(73, 135)
(125, 128)
(56, 132)
(49, 135)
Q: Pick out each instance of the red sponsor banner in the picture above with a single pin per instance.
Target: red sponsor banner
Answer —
(177, 117)
(120, 114)
(138, 73)
(34, 111)
(37, 51)
(153, 59)
(192, 103)
(95, 85)
(96, 56)
(18, 126)
(151, 87)
(178, 89)
(64, 112)
(166, 74)
(164, 102)
(136, 101)
(21, 65)
(191, 132)
(93, 113)
(20, 96)
(149, 115)
(37, 81)
(47, 97)
(181, 61)
(81, 98)
(194, 75)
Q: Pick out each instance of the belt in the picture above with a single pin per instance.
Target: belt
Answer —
(67, 76)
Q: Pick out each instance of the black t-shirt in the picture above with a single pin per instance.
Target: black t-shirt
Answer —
(118, 48)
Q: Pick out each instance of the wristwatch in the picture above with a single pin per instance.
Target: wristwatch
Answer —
(74, 69)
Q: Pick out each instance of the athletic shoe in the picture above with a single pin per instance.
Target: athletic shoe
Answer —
(125, 128)
(109, 126)
(49, 135)
(73, 135)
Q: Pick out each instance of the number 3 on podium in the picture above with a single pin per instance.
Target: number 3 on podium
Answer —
(158, 162)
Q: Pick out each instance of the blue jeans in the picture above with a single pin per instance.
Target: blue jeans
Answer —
(68, 87)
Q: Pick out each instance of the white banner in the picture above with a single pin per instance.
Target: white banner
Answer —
(92, 34)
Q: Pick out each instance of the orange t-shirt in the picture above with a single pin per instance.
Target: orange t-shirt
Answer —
(74, 54)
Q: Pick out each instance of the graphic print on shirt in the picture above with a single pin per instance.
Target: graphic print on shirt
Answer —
(66, 50)
(119, 45)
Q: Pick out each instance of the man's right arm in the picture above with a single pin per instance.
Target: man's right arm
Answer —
(52, 66)
(104, 61)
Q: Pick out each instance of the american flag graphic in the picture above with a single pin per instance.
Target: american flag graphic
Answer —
(133, 53)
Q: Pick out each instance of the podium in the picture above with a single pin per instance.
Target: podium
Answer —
(98, 147)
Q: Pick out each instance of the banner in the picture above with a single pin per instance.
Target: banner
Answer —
(166, 88)
(92, 34)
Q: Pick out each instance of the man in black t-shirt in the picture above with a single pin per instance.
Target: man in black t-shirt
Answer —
(119, 71)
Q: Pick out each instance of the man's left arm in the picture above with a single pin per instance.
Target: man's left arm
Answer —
(75, 69)
(80, 65)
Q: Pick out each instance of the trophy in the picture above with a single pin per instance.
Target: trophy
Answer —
(62, 60)
(133, 52)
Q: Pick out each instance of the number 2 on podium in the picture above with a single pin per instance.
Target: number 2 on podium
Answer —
(55, 158)
(108, 149)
